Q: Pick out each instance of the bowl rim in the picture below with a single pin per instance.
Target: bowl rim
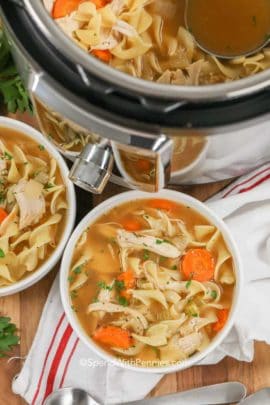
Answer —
(43, 270)
(119, 199)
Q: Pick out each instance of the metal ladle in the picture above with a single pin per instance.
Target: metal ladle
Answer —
(218, 55)
(224, 393)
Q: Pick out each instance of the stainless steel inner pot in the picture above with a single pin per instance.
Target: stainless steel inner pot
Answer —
(138, 133)
(196, 94)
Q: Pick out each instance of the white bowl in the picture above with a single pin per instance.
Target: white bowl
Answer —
(71, 213)
(108, 205)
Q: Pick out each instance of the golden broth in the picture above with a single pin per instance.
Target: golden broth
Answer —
(229, 27)
(101, 247)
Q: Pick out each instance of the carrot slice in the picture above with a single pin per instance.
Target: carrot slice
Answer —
(129, 282)
(62, 8)
(222, 315)
(103, 55)
(100, 3)
(131, 224)
(113, 336)
(162, 204)
(3, 215)
(128, 278)
(143, 165)
(198, 264)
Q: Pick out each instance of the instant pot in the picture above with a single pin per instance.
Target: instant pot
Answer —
(135, 132)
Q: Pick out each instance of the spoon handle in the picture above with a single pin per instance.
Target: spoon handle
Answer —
(224, 393)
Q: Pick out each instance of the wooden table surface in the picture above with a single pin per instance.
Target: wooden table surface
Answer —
(25, 310)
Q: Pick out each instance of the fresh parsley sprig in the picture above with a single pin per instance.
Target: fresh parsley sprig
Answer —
(12, 91)
(8, 336)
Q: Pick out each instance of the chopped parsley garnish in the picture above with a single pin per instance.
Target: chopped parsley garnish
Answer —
(2, 253)
(195, 315)
(159, 241)
(119, 285)
(123, 301)
(156, 350)
(41, 147)
(77, 270)
(2, 197)
(102, 285)
(214, 294)
(73, 294)
(146, 254)
(71, 279)
(174, 267)
(188, 283)
(7, 155)
(73, 308)
(48, 185)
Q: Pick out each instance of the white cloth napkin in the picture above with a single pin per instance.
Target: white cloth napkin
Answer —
(57, 359)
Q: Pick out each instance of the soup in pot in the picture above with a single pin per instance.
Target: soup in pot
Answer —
(148, 38)
(152, 281)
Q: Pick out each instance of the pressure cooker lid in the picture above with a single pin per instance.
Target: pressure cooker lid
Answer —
(107, 89)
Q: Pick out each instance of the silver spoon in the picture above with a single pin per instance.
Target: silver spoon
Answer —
(220, 56)
(225, 393)
(261, 397)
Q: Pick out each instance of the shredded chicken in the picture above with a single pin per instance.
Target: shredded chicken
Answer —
(3, 165)
(68, 24)
(49, 5)
(190, 343)
(113, 308)
(30, 199)
(195, 324)
(159, 246)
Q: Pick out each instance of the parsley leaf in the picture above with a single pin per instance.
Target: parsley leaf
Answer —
(119, 285)
(146, 255)
(104, 286)
(188, 284)
(8, 337)
(214, 294)
(123, 301)
(2, 253)
(7, 155)
(77, 270)
(48, 185)
(73, 294)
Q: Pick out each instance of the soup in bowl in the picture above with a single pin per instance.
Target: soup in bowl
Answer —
(37, 206)
(151, 282)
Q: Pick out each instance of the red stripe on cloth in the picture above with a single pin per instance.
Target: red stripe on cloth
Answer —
(245, 182)
(243, 190)
(67, 363)
(56, 361)
(47, 356)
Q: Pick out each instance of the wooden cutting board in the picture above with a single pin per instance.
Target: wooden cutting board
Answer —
(25, 310)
